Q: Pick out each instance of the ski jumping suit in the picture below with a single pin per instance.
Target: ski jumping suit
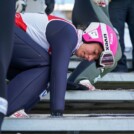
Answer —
(43, 46)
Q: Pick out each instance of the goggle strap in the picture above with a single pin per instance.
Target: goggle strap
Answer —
(105, 37)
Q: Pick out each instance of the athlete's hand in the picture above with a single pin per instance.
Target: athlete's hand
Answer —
(101, 3)
(21, 6)
(87, 84)
(49, 6)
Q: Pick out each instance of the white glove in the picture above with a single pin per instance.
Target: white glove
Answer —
(101, 3)
(87, 84)
(21, 6)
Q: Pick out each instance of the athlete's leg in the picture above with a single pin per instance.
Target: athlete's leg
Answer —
(50, 6)
(7, 12)
(83, 14)
(33, 62)
(26, 88)
(130, 21)
(118, 13)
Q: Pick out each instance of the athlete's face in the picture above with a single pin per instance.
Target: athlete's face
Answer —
(89, 52)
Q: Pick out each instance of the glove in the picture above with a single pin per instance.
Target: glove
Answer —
(101, 3)
(21, 6)
(49, 6)
(75, 86)
(87, 84)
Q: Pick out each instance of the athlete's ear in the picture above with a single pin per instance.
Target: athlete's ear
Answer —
(49, 6)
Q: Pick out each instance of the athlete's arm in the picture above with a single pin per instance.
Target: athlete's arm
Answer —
(63, 39)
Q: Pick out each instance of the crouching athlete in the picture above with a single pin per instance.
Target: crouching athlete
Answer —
(43, 46)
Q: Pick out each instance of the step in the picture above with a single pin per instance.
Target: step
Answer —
(73, 64)
(116, 81)
(42, 123)
(118, 77)
(99, 95)
(98, 101)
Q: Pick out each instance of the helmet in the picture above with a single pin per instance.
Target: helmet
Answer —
(106, 37)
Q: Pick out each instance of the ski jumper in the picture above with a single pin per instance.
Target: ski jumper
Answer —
(89, 12)
(42, 50)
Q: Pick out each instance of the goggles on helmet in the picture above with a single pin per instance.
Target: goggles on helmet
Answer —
(106, 59)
